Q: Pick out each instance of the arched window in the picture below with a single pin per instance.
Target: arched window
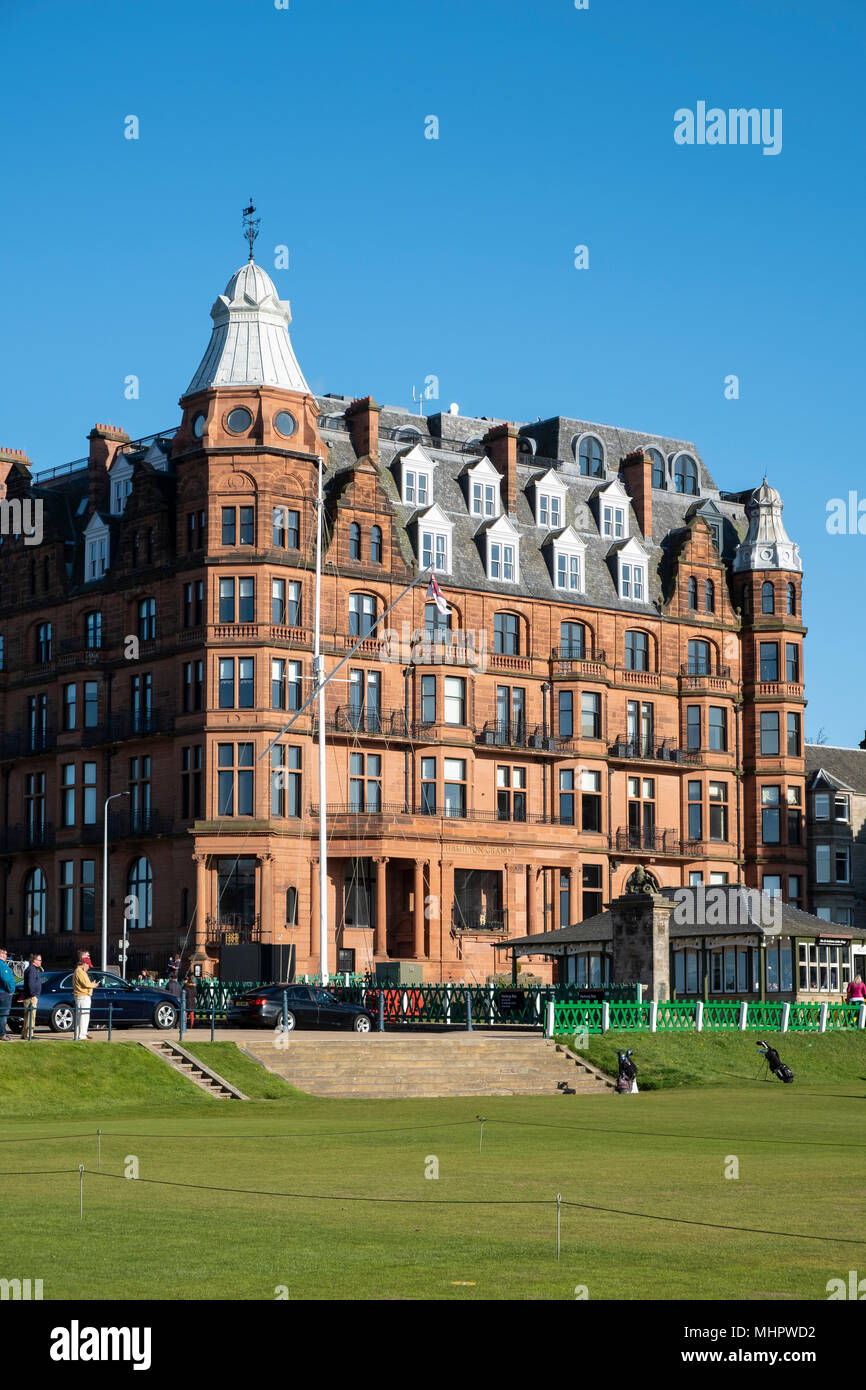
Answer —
(591, 456)
(659, 471)
(139, 886)
(710, 596)
(686, 475)
(354, 541)
(407, 434)
(362, 614)
(572, 639)
(700, 658)
(34, 903)
(693, 594)
(506, 634)
(768, 597)
(376, 545)
(636, 651)
(792, 599)
(526, 445)
(147, 619)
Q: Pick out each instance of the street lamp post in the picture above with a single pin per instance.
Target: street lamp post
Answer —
(113, 797)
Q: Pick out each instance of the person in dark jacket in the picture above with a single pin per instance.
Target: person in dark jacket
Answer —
(32, 991)
(190, 991)
(7, 989)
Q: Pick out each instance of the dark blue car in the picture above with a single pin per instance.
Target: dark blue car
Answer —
(131, 1005)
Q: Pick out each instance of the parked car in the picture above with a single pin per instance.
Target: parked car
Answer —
(131, 1004)
(308, 1007)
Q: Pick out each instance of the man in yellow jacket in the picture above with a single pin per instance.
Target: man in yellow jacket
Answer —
(82, 989)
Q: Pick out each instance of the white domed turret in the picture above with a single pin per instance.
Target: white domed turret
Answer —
(250, 344)
(767, 545)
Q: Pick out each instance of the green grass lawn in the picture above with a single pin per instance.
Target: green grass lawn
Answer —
(730, 1058)
(800, 1151)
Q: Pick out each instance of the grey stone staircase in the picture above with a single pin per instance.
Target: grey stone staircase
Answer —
(204, 1077)
(394, 1065)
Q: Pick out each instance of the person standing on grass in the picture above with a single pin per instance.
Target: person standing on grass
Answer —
(7, 989)
(32, 991)
(82, 989)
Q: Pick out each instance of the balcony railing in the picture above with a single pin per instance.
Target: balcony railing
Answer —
(566, 661)
(473, 920)
(118, 727)
(233, 929)
(381, 723)
(627, 841)
(24, 744)
(648, 751)
(130, 824)
(515, 733)
(39, 835)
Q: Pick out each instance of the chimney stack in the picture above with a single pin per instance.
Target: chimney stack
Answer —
(362, 417)
(501, 445)
(106, 441)
(636, 471)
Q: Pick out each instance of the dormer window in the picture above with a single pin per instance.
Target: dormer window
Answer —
(550, 501)
(590, 456)
(613, 522)
(121, 485)
(483, 499)
(501, 563)
(632, 581)
(96, 549)
(483, 489)
(416, 487)
(568, 560)
(686, 475)
(549, 511)
(434, 551)
(434, 541)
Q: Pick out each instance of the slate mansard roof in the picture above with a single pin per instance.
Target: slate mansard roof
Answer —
(459, 444)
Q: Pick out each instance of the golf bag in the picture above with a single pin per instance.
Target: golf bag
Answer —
(775, 1063)
(626, 1081)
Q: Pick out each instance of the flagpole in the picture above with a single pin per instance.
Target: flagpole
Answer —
(348, 657)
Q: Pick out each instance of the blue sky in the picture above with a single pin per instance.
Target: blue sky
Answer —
(454, 256)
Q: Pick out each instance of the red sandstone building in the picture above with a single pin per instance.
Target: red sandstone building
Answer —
(620, 679)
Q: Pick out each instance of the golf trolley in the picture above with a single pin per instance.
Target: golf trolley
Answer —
(771, 1062)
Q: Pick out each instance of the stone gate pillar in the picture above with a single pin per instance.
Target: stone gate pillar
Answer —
(640, 922)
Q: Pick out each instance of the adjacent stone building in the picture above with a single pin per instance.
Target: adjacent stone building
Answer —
(619, 679)
(836, 821)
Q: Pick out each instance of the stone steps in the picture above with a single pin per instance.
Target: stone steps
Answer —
(195, 1071)
(383, 1066)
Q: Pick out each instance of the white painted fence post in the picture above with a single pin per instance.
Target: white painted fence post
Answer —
(861, 1016)
(605, 1016)
(786, 1017)
(490, 1005)
(549, 1021)
(447, 1003)
(744, 1015)
(654, 1015)
(823, 1024)
(699, 1015)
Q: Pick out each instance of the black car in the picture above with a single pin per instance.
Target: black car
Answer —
(308, 1007)
(131, 1005)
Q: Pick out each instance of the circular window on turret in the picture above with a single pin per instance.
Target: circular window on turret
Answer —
(285, 423)
(239, 420)
(198, 426)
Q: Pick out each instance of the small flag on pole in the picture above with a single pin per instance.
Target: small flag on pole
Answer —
(435, 595)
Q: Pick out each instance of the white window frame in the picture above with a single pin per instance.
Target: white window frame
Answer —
(502, 556)
(612, 521)
(632, 576)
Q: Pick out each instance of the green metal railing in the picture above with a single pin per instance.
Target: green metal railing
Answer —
(715, 1015)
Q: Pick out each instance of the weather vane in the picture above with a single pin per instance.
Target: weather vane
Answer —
(251, 225)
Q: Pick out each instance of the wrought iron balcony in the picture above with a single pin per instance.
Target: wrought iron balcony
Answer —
(118, 727)
(37, 835)
(26, 744)
(346, 719)
(668, 842)
(474, 920)
(233, 929)
(649, 751)
(130, 824)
